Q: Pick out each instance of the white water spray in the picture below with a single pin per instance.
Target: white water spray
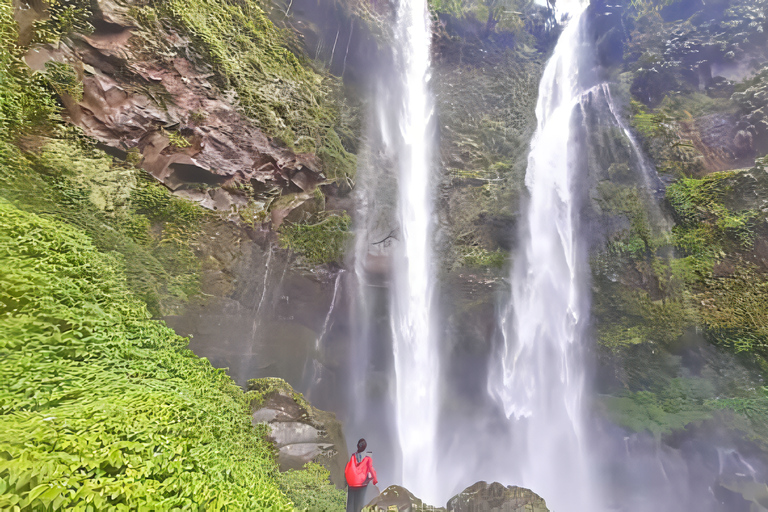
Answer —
(541, 380)
(414, 345)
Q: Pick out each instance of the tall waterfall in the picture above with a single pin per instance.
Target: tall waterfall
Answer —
(541, 378)
(414, 344)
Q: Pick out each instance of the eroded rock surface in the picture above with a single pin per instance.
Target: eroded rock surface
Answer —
(151, 95)
(301, 433)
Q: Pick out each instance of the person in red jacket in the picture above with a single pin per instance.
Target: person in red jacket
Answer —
(359, 472)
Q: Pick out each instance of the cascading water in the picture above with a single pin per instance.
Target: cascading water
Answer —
(415, 352)
(541, 378)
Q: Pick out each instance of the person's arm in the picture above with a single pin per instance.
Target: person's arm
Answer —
(373, 471)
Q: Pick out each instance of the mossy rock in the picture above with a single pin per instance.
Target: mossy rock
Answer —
(301, 433)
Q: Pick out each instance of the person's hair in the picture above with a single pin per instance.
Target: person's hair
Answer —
(361, 445)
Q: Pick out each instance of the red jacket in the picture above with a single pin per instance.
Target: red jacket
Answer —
(357, 475)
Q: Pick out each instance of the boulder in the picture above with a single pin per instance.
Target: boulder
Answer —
(480, 497)
(484, 497)
(397, 498)
(301, 433)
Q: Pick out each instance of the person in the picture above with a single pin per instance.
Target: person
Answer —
(359, 472)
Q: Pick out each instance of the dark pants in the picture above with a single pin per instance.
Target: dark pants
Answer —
(356, 498)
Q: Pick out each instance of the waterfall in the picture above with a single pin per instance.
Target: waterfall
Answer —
(414, 345)
(541, 377)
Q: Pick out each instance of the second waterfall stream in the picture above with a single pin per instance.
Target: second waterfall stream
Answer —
(541, 368)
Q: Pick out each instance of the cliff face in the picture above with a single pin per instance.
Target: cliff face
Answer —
(232, 120)
(678, 232)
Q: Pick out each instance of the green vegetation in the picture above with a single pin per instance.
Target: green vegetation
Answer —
(661, 133)
(672, 404)
(308, 489)
(699, 204)
(320, 242)
(473, 256)
(101, 406)
(64, 17)
(672, 407)
(121, 209)
(487, 114)
(338, 164)
(629, 202)
(285, 96)
(177, 140)
(24, 100)
(63, 78)
(260, 389)
(497, 15)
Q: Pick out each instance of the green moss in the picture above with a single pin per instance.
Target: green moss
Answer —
(660, 131)
(707, 225)
(617, 199)
(645, 411)
(24, 101)
(177, 140)
(63, 78)
(285, 96)
(123, 211)
(338, 164)
(64, 17)
(674, 404)
(259, 389)
(478, 257)
(735, 310)
(321, 242)
(452, 7)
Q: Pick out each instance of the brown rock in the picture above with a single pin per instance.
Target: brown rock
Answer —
(132, 99)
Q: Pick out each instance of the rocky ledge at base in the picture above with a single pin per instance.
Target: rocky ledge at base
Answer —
(480, 497)
(302, 433)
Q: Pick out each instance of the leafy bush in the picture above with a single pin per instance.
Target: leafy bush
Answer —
(309, 489)
(322, 242)
(24, 102)
(101, 406)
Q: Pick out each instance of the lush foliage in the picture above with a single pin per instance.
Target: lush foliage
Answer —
(319, 242)
(23, 99)
(102, 406)
(119, 208)
(497, 15)
(309, 490)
